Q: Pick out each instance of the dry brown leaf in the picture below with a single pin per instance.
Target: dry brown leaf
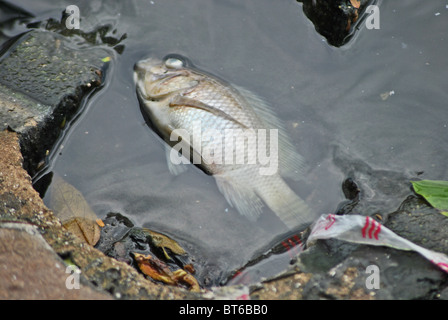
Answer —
(158, 270)
(84, 229)
(182, 276)
(189, 267)
(73, 210)
(154, 268)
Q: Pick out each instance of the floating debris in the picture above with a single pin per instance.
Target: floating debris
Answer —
(365, 230)
(435, 192)
(384, 96)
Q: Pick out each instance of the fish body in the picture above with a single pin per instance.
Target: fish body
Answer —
(225, 130)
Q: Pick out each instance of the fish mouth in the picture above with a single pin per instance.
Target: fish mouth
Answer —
(140, 70)
(143, 66)
(151, 74)
(146, 64)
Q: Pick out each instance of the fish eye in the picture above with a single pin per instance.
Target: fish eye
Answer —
(174, 63)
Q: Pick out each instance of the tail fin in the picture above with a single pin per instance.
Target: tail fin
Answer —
(272, 190)
(285, 203)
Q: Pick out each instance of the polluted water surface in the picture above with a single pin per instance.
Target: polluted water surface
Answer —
(365, 111)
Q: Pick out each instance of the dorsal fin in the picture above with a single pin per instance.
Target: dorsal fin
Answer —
(291, 163)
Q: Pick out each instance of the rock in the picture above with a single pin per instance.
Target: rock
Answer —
(337, 270)
(420, 223)
(31, 270)
(371, 191)
(337, 21)
(401, 275)
(45, 76)
(23, 206)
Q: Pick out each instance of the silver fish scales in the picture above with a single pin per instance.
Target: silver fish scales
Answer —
(226, 131)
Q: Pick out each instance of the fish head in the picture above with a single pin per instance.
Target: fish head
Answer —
(158, 80)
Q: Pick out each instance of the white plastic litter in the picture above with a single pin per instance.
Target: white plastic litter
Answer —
(365, 230)
(240, 292)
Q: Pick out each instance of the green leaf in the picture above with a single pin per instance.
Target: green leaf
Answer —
(444, 213)
(434, 191)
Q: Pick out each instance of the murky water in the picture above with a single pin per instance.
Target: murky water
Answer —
(374, 110)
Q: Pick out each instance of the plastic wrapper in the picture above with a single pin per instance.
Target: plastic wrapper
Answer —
(365, 230)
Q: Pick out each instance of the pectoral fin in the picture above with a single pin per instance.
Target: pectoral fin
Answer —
(175, 168)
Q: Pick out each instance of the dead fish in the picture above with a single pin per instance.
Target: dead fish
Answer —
(226, 131)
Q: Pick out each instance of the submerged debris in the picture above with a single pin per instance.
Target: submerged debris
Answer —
(163, 242)
(156, 255)
(74, 212)
(159, 271)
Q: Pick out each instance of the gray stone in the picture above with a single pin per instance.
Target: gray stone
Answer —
(31, 270)
(45, 77)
